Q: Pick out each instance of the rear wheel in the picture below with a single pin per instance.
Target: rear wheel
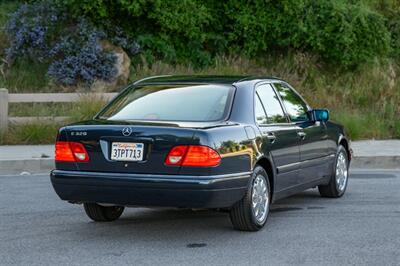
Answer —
(251, 212)
(338, 182)
(100, 213)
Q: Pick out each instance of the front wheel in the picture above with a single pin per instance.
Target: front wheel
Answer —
(251, 212)
(100, 213)
(338, 182)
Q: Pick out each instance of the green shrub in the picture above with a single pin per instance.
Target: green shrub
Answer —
(342, 32)
(348, 34)
(176, 30)
(390, 9)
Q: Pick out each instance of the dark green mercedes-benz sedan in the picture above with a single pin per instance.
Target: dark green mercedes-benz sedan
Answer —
(222, 142)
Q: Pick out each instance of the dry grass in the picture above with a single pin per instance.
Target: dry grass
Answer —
(365, 100)
(87, 107)
(32, 133)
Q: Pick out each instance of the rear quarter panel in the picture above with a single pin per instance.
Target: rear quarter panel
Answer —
(232, 143)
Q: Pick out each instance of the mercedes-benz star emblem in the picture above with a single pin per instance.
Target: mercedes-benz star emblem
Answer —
(126, 131)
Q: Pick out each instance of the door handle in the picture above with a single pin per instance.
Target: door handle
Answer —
(301, 134)
(271, 136)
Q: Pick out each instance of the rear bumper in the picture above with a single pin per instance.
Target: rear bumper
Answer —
(150, 190)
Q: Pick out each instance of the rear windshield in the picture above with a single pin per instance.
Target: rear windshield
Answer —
(171, 103)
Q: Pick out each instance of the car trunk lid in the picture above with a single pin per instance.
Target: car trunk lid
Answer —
(157, 140)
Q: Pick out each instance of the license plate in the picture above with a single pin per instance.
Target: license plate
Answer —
(125, 151)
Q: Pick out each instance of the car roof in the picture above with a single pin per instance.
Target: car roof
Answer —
(200, 79)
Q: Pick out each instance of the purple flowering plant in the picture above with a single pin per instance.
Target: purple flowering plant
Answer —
(44, 32)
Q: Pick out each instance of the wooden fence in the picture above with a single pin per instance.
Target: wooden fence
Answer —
(6, 98)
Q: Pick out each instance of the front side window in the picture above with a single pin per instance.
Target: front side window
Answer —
(271, 104)
(198, 103)
(296, 108)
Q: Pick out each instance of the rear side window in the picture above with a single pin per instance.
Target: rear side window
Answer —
(295, 106)
(261, 117)
(198, 103)
(271, 104)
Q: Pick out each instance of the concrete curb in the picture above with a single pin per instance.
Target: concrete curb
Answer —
(32, 166)
(45, 165)
(377, 162)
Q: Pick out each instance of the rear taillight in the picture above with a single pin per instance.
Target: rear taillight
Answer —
(193, 155)
(176, 155)
(70, 152)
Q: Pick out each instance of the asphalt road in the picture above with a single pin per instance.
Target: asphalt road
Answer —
(363, 227)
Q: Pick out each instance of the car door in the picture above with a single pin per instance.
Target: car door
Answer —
(279, 137)
(312, 134)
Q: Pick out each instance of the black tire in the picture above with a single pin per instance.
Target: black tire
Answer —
(332, 189)
(241, 214)
(100, 213)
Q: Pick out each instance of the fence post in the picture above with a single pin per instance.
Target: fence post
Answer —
(3, 110)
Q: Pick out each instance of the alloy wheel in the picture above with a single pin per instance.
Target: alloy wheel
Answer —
(341, 172)
(260, 199)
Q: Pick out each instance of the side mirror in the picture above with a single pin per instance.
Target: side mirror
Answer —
(321, 115)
